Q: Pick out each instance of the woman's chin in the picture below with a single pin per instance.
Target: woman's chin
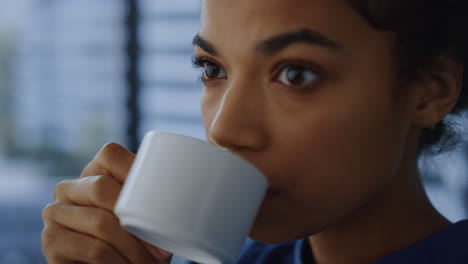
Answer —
(266, 238)
(269, 227)
(270, 233)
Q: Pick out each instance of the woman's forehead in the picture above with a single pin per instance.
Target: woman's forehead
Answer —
(248, 14)
(272, 4)
(250, 21)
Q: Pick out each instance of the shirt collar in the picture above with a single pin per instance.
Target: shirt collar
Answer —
(445, 246)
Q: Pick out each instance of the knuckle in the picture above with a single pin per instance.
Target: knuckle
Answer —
(102, 182)
(102, 160)
(87, 169)
(103, 223)
(109, 150)
(48, 238)
(104, 156)
(59, 189)
(98, 251)
(100, 189)
(48, 211)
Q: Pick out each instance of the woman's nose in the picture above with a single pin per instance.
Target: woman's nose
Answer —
(240, 120)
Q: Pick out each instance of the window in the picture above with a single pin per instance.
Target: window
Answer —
(62, 96)
(169, 94)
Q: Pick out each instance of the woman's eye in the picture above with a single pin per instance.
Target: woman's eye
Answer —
(212, 71)
(297, 75)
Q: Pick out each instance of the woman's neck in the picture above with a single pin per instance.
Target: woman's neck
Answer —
(398, 217)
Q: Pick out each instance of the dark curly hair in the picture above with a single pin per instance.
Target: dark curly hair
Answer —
(426, 30)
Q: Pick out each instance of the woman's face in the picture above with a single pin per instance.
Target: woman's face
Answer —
(305, 90)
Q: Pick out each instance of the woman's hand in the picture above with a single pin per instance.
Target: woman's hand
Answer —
(80, 225)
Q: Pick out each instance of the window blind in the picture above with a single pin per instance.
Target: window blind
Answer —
(170, 96)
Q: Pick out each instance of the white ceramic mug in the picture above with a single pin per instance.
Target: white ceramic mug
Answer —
(190, 197)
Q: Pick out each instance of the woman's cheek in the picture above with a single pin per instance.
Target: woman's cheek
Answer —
(335, 148)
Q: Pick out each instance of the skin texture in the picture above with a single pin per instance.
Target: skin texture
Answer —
(339, 151)
(80, 226)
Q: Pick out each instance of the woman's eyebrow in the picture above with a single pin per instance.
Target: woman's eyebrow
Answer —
(205, 45)
(276, 43)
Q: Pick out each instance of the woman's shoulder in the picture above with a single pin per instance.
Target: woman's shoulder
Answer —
(258, 253)
(449, 245)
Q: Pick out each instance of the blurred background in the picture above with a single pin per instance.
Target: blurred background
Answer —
(75, 75)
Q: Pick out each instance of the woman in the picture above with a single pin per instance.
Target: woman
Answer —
(334, 101)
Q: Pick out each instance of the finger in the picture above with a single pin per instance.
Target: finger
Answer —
(98, 191)
(112, 159)
(158, 252)
(63, 246)
(103, 225)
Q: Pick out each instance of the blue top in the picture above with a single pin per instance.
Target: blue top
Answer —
(450, 245)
